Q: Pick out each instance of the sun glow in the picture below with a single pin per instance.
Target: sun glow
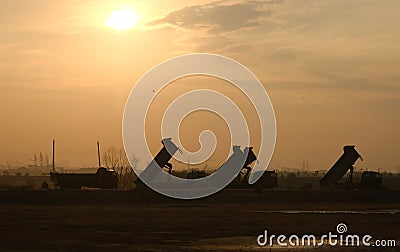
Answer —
(122, 19)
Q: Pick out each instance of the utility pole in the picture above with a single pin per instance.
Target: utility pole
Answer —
(54, 144)
(98, 153)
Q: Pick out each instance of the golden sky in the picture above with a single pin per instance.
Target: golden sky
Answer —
(331, 69)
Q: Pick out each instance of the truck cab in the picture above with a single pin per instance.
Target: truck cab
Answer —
(371, 179)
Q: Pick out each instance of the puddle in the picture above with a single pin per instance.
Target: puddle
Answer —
(373, 211)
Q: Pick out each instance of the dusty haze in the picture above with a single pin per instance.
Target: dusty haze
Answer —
(331, 69)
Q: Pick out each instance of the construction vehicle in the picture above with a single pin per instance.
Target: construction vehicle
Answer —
(268, 180)
(371, 179)
(345, 164)
(161, 160)
(195, 174)
(103, 178)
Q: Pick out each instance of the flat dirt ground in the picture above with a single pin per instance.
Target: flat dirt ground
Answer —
(187, 225)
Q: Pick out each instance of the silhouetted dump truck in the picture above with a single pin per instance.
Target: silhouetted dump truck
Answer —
(161, 160)
(343, 165)
(340, 168)
(103, 178)
(268, 180)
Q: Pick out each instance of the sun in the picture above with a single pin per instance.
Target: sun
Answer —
(122, 19)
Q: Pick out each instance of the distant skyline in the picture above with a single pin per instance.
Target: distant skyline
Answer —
(331, 69)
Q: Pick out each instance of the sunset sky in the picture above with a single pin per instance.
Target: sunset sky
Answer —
(331, 69)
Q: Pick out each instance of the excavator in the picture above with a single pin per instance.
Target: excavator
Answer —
(344, 164)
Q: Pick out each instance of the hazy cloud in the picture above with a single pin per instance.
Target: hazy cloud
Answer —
(33, 51)
(8, 46)
(216, 17)
(240, 26)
